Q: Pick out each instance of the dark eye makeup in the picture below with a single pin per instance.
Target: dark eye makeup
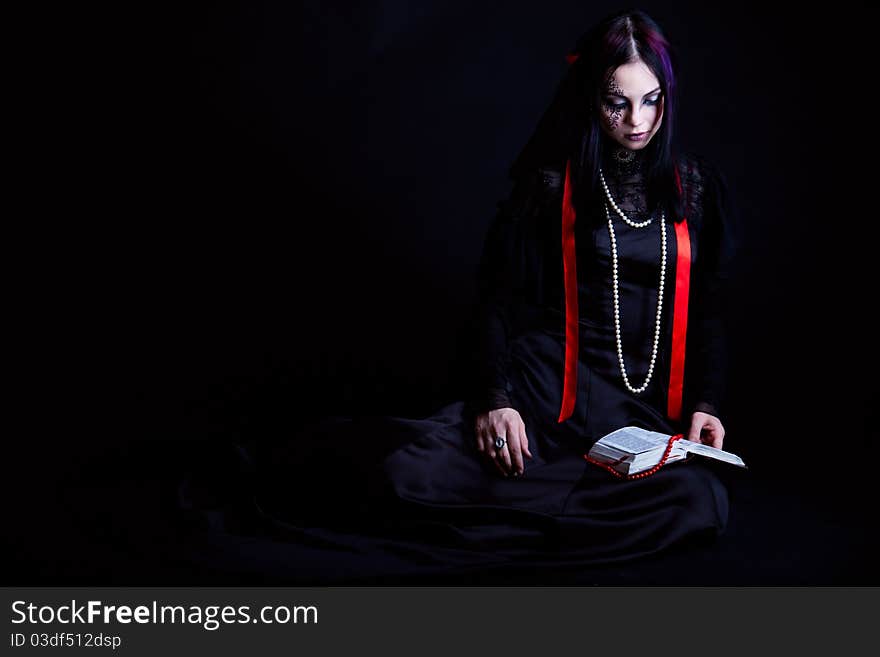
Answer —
(620, 106)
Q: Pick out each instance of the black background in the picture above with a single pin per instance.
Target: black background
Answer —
(239, 217)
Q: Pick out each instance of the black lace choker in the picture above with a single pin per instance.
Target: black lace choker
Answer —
(618, 160)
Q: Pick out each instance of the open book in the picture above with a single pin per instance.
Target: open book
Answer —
(632, 449)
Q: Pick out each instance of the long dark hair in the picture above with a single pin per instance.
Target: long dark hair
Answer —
(570, 129)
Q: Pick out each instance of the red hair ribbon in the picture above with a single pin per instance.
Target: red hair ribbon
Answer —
(679, 315)
(571, 58)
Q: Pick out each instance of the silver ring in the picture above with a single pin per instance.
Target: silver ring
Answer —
(500, 442)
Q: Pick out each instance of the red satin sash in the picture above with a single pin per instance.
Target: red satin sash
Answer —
(569, 259)
(679, 316)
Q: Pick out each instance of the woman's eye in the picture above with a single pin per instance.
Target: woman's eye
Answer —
(620, 106)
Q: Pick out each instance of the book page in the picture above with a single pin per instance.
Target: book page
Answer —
(711, 452)
(635, 440)
(602, 451)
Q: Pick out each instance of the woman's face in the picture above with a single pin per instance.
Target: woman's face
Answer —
(632, 103)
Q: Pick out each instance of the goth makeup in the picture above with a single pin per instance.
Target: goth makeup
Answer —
(631, 103)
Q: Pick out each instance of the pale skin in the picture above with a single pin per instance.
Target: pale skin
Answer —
(631, 102)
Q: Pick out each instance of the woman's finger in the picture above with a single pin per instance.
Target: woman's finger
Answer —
(483, 444)
(504, 458)
(490, 453)
(714, 433)
(515, 449)
(486, 441)
(716, 436)
(486, 447)
(495, 457)
(695, 430)
(524, 441)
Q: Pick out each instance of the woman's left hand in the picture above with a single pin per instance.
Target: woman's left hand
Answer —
(706, 429)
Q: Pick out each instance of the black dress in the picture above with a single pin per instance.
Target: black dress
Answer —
(428, 502)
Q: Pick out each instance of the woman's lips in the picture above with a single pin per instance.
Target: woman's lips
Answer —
(638, 136)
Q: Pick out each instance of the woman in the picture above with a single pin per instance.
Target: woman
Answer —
(574, 343)
(601, 295)
(624, 156)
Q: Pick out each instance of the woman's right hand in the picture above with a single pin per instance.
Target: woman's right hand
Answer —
(508, 423)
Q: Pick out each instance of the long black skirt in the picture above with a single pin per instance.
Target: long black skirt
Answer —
(374, 496)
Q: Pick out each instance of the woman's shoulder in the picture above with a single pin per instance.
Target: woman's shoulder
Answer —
(547, 177)
(699, 175)
(694, 167)
(697, 167)
(700, 178)
(536, 187)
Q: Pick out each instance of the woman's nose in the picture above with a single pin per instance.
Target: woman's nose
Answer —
(635, 117)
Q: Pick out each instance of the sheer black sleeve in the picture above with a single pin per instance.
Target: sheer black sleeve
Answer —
(714, 273)
(501, 293)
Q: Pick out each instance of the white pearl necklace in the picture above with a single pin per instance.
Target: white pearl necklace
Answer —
(626, 382)
(620, 212)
